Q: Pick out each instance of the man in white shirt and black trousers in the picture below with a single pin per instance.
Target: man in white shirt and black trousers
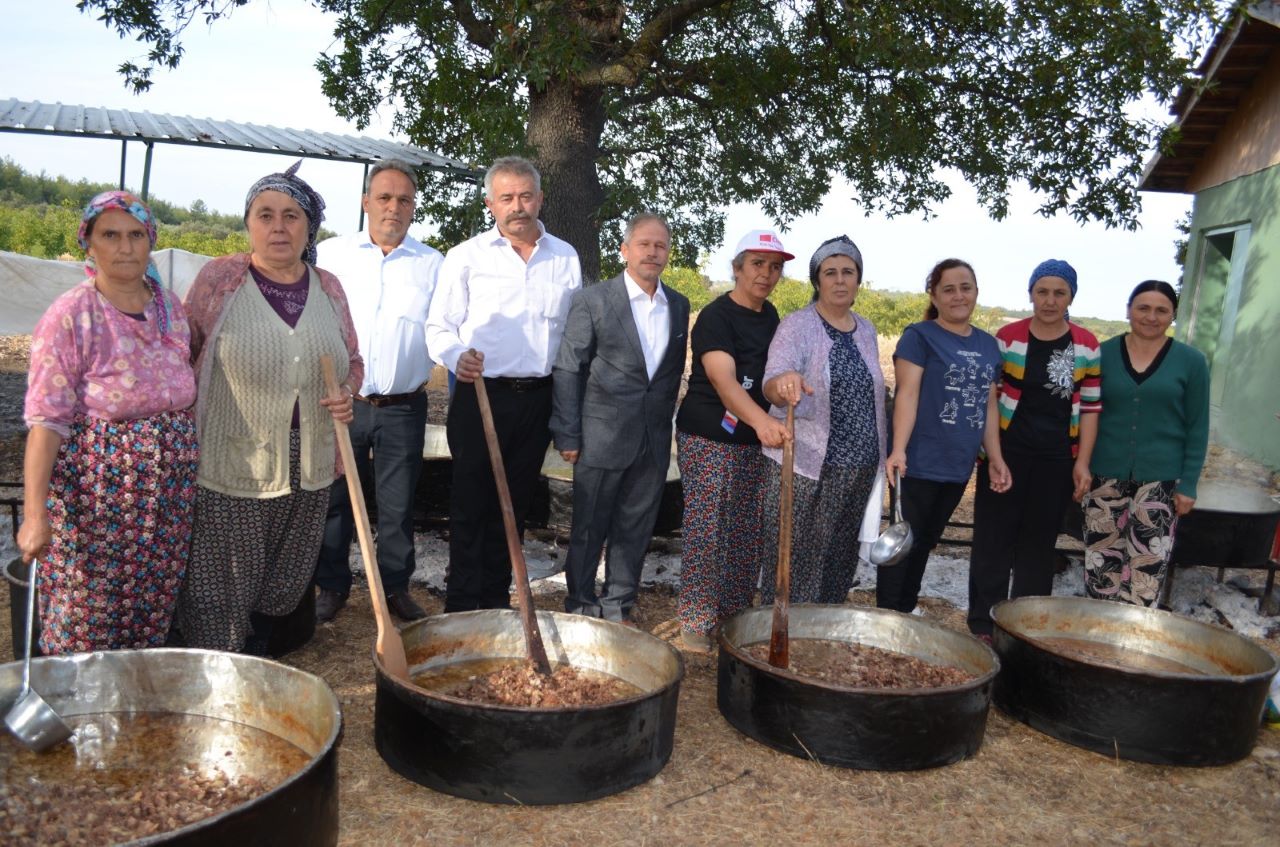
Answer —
(616, 380)
(389, 278)
(499, 311)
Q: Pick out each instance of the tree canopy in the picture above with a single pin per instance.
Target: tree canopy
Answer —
(684, 106)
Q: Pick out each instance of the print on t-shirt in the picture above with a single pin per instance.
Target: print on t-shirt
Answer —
(967, 383)
(1061, 372)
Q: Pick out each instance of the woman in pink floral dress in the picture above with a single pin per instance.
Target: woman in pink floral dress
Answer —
(111, 452)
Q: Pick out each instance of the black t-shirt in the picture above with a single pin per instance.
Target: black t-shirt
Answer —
(745, 335)
(1041, 424)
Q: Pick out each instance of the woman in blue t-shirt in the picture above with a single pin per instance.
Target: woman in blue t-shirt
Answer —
(944, 409)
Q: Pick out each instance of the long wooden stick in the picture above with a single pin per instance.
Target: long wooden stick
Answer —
(779, 639)
(524, 594)
(389, 645)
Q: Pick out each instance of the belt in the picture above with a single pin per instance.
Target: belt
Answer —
(520, 383)
(381, 400)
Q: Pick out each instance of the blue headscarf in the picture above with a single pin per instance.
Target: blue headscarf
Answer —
(1054, 267)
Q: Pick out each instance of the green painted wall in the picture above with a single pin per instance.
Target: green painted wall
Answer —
(1244, 355)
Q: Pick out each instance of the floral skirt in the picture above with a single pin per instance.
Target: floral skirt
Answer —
(826, 519)
(723, 547)
(1128, 535)
(121, 498)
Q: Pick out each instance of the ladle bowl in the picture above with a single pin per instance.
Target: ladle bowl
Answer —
(31, 719)
(896, 541)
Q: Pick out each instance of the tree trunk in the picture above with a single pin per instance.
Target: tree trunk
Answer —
(565, 124)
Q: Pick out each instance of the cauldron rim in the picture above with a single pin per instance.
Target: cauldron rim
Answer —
(1224, 676)
(327, 747)
(419, 691)
(875, 691)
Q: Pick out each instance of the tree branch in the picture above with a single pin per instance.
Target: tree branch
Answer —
(626, 70)
(480, 33)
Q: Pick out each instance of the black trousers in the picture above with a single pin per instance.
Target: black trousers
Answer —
(926, 505)
(1016, 532)
(620, 507)
(395, 434)
(479, 574)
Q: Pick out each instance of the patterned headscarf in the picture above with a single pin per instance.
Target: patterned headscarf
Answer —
(841, 245)
(126, 202)
(303, 194)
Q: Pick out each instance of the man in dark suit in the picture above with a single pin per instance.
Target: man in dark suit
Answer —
(616, 378)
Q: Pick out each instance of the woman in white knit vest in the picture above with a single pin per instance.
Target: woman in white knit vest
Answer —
(260, 322)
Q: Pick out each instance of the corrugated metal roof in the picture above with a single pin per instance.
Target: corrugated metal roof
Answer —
(126, 125)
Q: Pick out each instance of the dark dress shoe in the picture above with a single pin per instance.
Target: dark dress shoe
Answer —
(328, 604)
(404, 607)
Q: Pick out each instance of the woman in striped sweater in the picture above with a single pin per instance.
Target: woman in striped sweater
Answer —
(1049, 400)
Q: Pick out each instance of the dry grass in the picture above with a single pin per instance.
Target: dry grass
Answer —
(721, 788)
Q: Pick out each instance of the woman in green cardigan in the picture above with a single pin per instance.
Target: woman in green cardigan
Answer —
(1152, 436)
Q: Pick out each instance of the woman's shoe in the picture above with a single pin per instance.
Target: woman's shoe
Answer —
(695, 642)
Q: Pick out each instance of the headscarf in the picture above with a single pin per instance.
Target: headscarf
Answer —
(1054, 267)
(841, 245)
(303, 194)
(126, 202)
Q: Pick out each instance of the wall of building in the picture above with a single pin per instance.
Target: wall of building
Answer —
(1245, 352)
(1250, 140)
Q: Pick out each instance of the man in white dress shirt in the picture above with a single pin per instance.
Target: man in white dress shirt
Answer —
(499, 312)
(616, 380)
(389, 278)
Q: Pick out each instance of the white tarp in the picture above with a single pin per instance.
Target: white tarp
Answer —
(28, 286)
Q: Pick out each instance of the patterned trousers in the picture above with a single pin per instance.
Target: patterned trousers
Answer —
(1128, 534)
(723, 543)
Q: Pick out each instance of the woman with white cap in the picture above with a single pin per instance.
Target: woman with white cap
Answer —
(720, 427)
(825, 362)
(1049, 404)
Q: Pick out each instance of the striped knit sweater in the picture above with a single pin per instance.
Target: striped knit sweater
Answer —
(1086, 392)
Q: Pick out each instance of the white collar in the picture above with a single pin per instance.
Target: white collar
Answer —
(635, 292)
(498, 238)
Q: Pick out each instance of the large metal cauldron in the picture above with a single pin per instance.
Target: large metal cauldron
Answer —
(289, 703)
(1231, 526)
(1144, 712)
(868, 728)
(508, 754)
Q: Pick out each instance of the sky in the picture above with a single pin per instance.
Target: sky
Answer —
(242, 69)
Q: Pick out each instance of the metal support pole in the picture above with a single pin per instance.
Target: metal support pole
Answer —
(124, 154)
(363, 180)
(146, 170)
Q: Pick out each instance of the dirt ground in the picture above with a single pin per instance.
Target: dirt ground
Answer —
(722, 788)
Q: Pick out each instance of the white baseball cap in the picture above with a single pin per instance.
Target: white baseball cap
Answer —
(762, 241)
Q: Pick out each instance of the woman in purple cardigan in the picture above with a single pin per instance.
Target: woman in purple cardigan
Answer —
(824, 361)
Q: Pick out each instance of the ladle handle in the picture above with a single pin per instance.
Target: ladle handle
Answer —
(32, 578)
(780, 636)
(528, 614)
(897, 496)
(388, 644)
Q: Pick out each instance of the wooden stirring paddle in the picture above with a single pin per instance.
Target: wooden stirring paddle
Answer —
(528, 615)
(389, 646)
(779, 639)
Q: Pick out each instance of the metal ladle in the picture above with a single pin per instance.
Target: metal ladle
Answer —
(31, 719)
(896, 541)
